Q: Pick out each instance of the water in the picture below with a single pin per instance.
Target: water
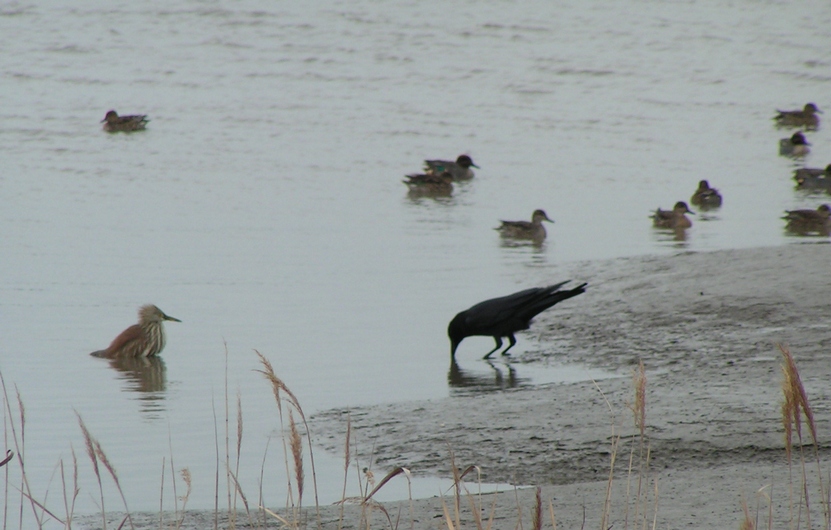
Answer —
(263, 206)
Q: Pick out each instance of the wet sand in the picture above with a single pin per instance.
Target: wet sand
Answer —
(706, 327)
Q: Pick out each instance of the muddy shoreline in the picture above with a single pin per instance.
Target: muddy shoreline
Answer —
(706, 327)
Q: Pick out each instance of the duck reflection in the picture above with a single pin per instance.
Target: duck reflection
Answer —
(145, 375)
(499, 378)
(537, 245)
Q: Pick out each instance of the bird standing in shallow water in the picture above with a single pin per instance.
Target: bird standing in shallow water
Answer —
(674, 218)
(526, 230)
(144, 339)
(807, 117)
(460, 169)
(502, 317)
(705, 196)
(115, 123)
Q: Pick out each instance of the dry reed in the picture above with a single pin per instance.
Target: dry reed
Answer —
(795, 405)
(747, 521)
(536, 517)
(297, 453)
(19, 446)
(69, 507)
(96, 453)
(346, 461)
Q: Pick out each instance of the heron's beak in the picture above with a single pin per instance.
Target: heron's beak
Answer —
(166, 317)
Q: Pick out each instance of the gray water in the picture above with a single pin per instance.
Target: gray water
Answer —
(264, 205)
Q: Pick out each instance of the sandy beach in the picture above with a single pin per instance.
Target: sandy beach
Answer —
(705, 325)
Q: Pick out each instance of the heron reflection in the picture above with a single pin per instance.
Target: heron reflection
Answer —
(145, 375)
(500, 377)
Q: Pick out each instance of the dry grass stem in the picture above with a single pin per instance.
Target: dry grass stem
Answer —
(69, 507)
(551, 514)
(536, 517)
(161, 495)
(639, 406)
(185, 472)
(297, 453)
(389, 476)
(278, 388)
(109, 467)
(19, 446)
(795, 404)
(88, 443)
(747, 522)
(347, 454)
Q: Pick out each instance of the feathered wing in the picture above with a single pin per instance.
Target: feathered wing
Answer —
(127, 336)
(438, 165)
(551, 297)
(526, 225)
(497, 310)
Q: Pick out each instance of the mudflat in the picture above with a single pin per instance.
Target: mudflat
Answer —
(705, 325)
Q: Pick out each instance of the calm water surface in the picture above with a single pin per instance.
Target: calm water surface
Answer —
(264, 205)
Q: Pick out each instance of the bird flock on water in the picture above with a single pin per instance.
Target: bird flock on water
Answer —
(502, 317)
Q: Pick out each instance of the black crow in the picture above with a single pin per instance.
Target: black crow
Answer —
(502, 317)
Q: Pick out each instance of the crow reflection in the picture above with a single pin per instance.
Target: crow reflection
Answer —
(501, 378)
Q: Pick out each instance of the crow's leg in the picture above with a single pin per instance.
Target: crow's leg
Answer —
(498, 345)
(511, 345)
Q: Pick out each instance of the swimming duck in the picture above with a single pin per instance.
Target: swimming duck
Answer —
(524, 229)
(807, 221)
(705, 196)
(809, 178)
(674, 218)
(807, 117)
(796, 145)
(460, 169)
(430, 184)
(115, 123)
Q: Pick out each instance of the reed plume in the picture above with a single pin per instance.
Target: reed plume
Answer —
(297, 453)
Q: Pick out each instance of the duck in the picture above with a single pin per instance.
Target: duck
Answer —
(115, 123)
(460, 169)
(807, 221)
(807, 117)
(430, 183)
(795, 146)
(706, 197)
(525, 230)
(809, 178)
(674, 218)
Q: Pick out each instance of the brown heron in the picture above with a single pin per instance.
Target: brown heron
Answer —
(144, 339)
